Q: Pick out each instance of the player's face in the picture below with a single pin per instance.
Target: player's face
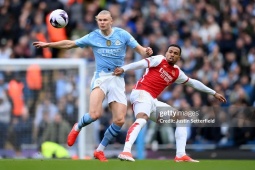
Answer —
(104, 22)
(172, 55)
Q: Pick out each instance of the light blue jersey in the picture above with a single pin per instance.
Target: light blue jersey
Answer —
(109, 51)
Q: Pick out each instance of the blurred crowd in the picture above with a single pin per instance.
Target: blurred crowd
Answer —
(218, 48)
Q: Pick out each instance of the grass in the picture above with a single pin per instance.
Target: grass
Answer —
(113, 164)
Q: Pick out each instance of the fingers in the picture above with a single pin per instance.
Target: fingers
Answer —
(222, 99)
(149, 51)
(36, 44)
(118, 71)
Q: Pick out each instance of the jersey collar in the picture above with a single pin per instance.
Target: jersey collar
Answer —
(107, 35)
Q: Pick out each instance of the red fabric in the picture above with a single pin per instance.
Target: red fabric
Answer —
(164, 74)
(130, 130)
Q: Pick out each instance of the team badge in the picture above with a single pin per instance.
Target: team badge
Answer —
(98, 82)
(117, 42)
(108, 43)
(173, 72)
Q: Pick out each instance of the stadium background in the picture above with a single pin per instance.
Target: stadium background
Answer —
(217, 40)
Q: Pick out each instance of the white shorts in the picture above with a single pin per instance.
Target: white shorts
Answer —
(142, 101)
(112, 86)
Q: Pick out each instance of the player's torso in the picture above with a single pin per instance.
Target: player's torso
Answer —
(109, 47)
(109, 50)
(156, 79)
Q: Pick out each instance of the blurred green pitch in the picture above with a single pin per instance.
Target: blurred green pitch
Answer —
(114, 164)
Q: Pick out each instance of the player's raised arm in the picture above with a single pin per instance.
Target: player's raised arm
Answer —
(145, 52)
(64, 44)
(201, 87)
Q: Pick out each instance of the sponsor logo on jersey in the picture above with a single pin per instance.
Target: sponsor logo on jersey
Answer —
(109, 52)
(164, 74)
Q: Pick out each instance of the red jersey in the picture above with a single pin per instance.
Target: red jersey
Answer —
(159, 75)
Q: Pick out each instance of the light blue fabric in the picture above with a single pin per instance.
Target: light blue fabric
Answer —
(111, 132)
(85, 120)
(109, 51)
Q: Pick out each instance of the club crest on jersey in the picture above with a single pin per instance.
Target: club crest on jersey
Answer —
(173, 72)
(108, 43)
(98, 82)
(117, 42)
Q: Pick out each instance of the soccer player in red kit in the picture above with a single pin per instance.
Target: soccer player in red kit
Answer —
(161, 72)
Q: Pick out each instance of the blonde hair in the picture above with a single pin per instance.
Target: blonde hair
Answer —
(104, 12)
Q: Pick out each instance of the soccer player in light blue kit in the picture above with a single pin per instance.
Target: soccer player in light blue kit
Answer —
(109, 47)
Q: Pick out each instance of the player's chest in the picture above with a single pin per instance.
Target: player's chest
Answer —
(167, 73)
(109, 43)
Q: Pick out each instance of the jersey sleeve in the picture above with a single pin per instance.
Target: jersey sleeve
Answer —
(154, 61)
(130, 40)
(83, 41)
(182, 78)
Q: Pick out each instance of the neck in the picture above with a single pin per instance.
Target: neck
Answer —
(107, 32)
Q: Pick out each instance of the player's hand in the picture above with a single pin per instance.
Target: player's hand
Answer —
(40, 44)
(220, 97)
(118, 71)
(148, 51)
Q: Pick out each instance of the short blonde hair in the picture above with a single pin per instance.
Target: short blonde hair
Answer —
(104, 12)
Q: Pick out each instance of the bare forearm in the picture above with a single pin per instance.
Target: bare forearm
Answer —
(64, 44)
(144, 52)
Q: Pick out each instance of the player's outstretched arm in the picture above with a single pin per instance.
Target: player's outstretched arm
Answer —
(132, 66)
(201, 87)
(145, 52)
(64, 44)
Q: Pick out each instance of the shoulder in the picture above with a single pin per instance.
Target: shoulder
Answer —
(157, 57)
(177, 67)
(155, 60)
(161, 57)
(120, 31)
(181, 73)
(117, 29)
(95, 32)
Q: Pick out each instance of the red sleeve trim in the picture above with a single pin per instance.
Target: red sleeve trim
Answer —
(186, 81)
(148, 62)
